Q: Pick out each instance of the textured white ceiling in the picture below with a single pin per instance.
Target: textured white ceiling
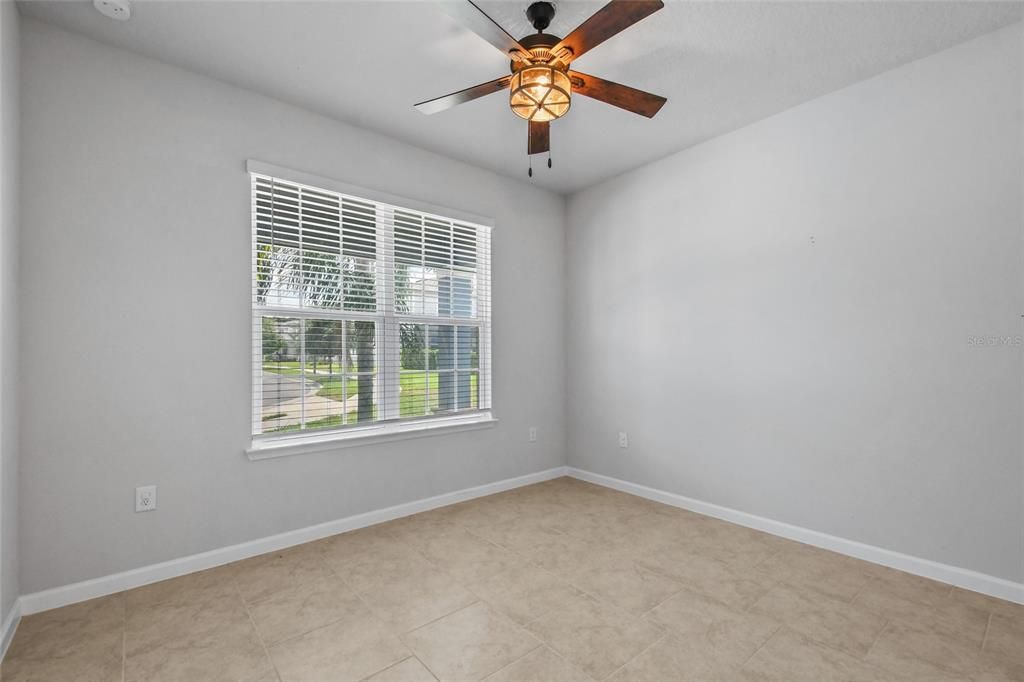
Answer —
(722, 65)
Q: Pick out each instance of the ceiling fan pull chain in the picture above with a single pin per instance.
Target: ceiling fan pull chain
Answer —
(549, 158)
(530, 172)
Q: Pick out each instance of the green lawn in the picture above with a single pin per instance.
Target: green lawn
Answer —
(326, 422)
(413, 391)
(331, 385)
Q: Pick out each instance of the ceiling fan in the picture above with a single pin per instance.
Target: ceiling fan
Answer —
(541, 83)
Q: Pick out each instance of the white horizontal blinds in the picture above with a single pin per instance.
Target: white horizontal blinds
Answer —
(314, 249)
(363, 311)
(438, 269)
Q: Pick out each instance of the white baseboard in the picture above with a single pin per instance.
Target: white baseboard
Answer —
(70, 594)
(10, 626)
(111, 584)
(961, 577)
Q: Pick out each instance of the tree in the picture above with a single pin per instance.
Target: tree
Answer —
(360, 294)
(273, 343)
(361, 339)
(323, 341)
(413, 343)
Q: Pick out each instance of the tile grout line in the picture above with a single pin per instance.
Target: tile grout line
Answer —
(988, 626)
(664, 632)
(540, 644)
(313, 629)
(255, 629)
(859, 591)
(881, 632)
(762, 645)
(543, 645)
(410, 657)
(643, 616)
(640, 653)
(436, 678)
(402, 636)
(478, 600)
(376, 616)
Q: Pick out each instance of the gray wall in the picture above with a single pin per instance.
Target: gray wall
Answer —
(135, 327)
(832, 385)
(10, 80)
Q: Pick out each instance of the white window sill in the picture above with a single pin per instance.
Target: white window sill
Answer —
(366, 435)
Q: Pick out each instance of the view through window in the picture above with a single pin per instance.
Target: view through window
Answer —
(364, 312)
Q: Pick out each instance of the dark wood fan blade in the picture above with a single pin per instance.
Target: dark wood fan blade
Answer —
(622, 96)
(432, 106)
(614, 17)
(477, 21)
(540, 137)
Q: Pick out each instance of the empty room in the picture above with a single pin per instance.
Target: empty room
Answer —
(511, 340)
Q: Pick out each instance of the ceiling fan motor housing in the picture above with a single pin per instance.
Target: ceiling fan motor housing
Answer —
(539, 46)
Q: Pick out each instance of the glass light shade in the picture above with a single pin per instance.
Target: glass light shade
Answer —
(540, 93)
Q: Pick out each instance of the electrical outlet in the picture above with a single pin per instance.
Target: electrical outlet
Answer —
(623, 439)
(145, 498)
(533, 434)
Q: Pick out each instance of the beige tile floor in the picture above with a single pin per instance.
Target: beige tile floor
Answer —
(557, 581)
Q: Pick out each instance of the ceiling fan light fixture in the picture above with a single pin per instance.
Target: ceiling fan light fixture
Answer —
(540, 92)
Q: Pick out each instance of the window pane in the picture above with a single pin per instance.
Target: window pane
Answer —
(282, 381)
(428, 284)
(461, 291)
(360, 346)
(436, 266)
(324, 373)
(405, 294)
(278, 276)
(359, 284)
(413, 394)
(468, 390)
(448, 294)
(363, 406)
(361, 360)
(321, 279)
(414, 346)
(317, 373)
(441, 340)
(325, 345)
(438, 293)
(325, 396)
(415, 290)
(467, 348)
(413, 386)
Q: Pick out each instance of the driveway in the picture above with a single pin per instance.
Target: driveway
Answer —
(283, 398)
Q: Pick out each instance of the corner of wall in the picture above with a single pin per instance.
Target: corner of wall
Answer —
(567, 353)
(10, 162)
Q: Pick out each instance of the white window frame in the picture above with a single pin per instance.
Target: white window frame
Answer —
(390, 428)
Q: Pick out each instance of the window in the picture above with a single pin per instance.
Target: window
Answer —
(365, 314)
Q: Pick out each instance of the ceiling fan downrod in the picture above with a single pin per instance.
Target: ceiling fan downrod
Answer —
(540, 15)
